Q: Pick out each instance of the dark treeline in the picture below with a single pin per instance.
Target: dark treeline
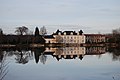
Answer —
(114, 37)
(22, 37)
(115, 52)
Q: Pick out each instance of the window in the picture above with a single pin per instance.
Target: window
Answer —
(71, 33)
(64, 37)
(59, 33)
(75, 52)
(82, 37)
(74, 41)
(82, 48)
(65, 33)
(82, 40)
(68, 37)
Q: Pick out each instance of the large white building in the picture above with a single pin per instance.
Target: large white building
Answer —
(69, 37)
(72, 37)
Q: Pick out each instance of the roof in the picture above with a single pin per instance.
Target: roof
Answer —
(48, 36)
(67, 32)
(67, 57)
(57, 32)
(94, 35)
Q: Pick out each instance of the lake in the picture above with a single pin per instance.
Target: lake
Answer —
(61, 63)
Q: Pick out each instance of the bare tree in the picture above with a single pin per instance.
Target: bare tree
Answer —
(43, 30)
(116, 31)
(29, 33)
(21, 30)
(116, 35)
(59, 39)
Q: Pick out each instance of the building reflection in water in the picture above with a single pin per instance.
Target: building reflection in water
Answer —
(74, 52)
(95, 50)
(58, 53)
(69, 53)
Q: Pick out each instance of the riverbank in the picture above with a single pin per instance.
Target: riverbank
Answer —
(60, 45)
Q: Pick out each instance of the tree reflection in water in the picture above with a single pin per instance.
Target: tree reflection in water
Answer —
(22, 57)
(39, 54)
(3, 65)
(43, 58)
(115, 53)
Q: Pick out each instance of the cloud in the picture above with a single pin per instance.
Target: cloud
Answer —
(89, 13)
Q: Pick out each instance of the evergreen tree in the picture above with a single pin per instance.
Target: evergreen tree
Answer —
(1, 31)
(36, 31)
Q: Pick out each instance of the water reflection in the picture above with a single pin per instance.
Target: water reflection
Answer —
(83, 65)
(23, 55)
(69, 53)
(115, 52)
(39, 54)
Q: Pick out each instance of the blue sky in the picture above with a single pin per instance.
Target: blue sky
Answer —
(90, 15)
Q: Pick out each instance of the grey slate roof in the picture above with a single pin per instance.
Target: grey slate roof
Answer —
(48, 36)
(67, 32)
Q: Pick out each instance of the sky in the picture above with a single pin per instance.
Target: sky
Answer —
(92, 16)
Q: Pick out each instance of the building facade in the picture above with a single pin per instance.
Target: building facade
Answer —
(95, 38)
(69, 37)
(72, 37)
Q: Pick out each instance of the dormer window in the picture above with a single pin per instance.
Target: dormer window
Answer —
(71, 33)
(59, 33)
(64, 33)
